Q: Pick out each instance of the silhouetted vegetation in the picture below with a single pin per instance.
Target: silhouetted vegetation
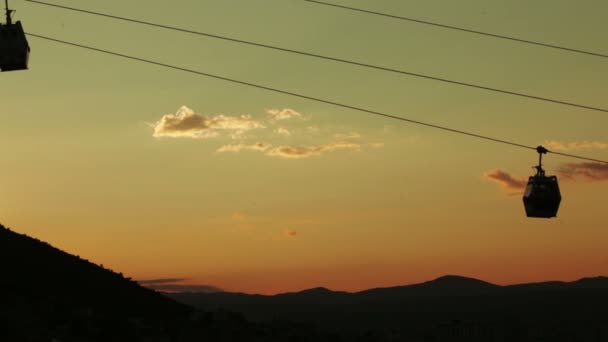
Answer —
(49, 295)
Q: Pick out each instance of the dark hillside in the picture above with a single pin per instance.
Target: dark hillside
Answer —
(47, 295)
(32, 267)
(46, 291)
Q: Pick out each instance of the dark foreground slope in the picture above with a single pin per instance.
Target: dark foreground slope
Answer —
(48, 295)
(46, 292)
(450, 308)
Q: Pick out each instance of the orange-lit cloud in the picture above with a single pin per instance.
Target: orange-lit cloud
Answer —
(283, 131)
(283, 114)
(589, 171)
(285, 235)
(185, 123)
(236, 216)
(346, 136)
(575, 145)
(506, 181)
(291, 152)
(262, 147)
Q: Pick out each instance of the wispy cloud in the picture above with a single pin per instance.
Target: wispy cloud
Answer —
(237, 216)
(314, 129)
(346, 136)
(285, 235)
(506, 181)
(283, 114)
(237, 123)
(184, 288)
(593, 172)
(376, 145)
(283, 131)
(262, 147)
(175, 285)
(160, 281)
(185, 123)
(575, 145)
(292, 152)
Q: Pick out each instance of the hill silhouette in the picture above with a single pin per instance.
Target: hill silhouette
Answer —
(44, 291)
(49, 295)
(449, 308)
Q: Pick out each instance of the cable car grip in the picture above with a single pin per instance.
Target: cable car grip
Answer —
(8, 12)
(539, 169)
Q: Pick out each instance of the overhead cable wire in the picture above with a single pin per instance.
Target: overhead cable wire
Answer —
(306, 97)
(462, 29)
(335, 59)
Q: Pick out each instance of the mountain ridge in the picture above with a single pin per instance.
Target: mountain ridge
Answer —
(551, 311)
(447, 281)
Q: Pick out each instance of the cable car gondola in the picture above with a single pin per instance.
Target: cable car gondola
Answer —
(542, 196)
(14, 49)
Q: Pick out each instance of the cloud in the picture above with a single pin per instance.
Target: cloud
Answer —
(185, 123)
(505, 180)
(238, 123)
(576, 145)
(236, 216)
(283, 114)
(376, 145)
(238, 135)
(292, 152)
(160, 281)
(262, 147)
(589, 171)
(184, 288)
(346, 136)
(285, 235)
(283, 131)
(173, 285)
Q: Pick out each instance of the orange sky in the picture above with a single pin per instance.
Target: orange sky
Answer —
(162, 174)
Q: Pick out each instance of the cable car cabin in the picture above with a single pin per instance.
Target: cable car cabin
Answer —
(542, 196)
(14, 49)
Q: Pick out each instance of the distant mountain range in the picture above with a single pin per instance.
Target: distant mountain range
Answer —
(446, 286)
(538, 311)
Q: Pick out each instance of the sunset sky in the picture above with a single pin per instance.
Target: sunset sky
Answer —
(161, 174)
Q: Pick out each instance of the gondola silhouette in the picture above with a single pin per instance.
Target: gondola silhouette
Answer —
(542, 196)
(14, 49)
